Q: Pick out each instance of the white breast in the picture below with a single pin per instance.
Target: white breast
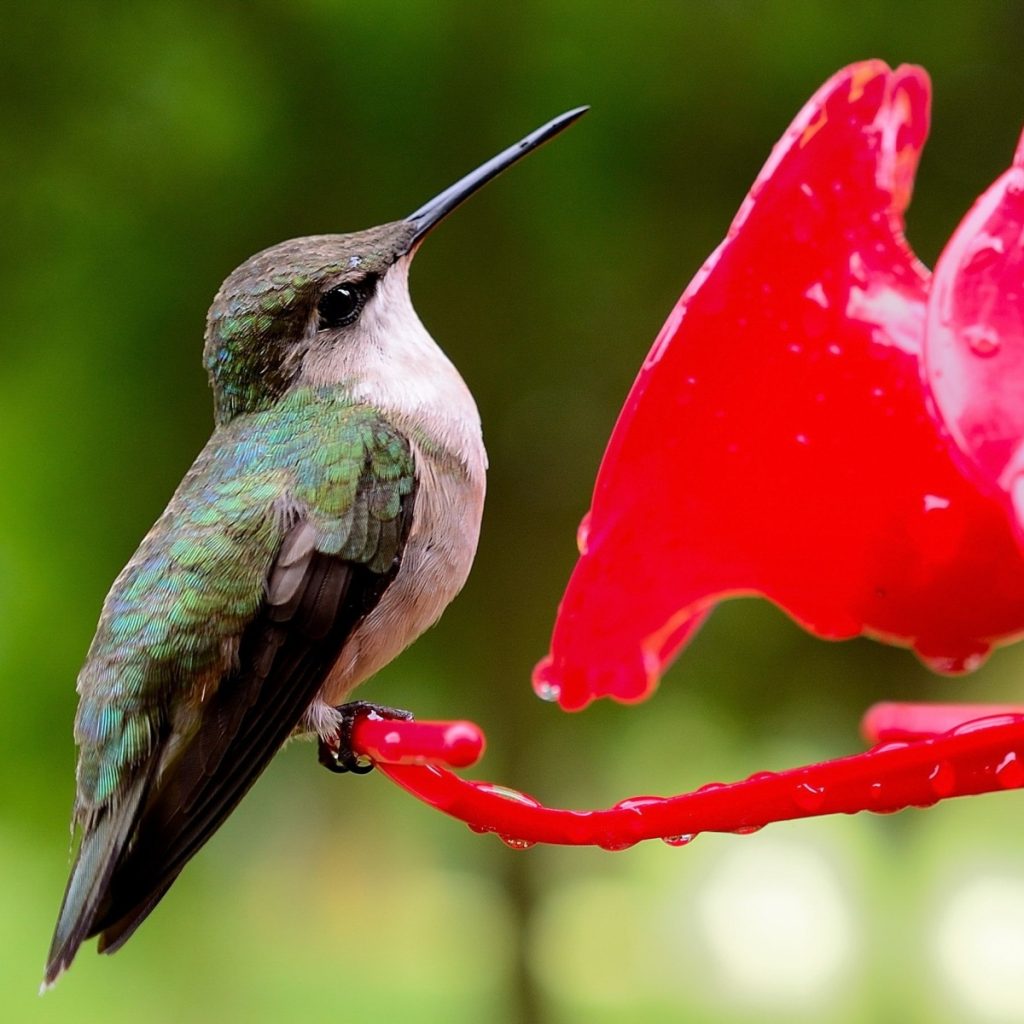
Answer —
(395, 366)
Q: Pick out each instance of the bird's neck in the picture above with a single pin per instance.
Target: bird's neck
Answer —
(398, 368)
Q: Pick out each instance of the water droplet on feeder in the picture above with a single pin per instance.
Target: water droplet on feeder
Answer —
(981, 339)
(681, 840)
(809, 798)
(512, 795)
(515, 843)
(943, 779)
(543, 685)
(614, 846)
(1010, 771)
(953, 664)
(983, 253)
(549, 692)
(583, 534)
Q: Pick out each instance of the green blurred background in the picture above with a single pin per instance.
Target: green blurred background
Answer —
(146, 150)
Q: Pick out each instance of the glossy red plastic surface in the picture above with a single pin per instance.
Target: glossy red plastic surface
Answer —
(974, 342)
(778, 439)
(975, 755)
(387, 741)
(891, 721)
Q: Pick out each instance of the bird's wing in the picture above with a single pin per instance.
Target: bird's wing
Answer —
(332, 566)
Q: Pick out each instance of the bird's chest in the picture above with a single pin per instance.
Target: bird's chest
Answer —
(435, 564)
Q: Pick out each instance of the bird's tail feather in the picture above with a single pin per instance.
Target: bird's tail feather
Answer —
(97, 857)
(115, 935)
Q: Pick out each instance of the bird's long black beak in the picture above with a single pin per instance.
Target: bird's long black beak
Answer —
(441, 205)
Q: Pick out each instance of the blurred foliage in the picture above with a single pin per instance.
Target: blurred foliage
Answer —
(147, 149)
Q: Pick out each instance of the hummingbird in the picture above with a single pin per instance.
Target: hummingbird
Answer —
(330, 519)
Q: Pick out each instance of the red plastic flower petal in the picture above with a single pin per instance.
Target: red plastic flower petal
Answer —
(778, 440)
(974, 343)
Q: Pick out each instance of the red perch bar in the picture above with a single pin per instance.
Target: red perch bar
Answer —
(974, 755)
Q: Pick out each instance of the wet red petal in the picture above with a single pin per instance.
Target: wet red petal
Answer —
(777, 440)
(974, 343)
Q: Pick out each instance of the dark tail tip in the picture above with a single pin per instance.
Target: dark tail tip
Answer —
(98, 854)
(71, 931)
(55, 967)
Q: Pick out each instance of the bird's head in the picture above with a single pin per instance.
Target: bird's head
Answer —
(293, 309)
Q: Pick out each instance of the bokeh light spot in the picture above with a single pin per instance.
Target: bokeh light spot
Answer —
(777, 922)
(979, 946)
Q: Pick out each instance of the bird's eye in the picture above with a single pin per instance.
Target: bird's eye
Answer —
(340, 306)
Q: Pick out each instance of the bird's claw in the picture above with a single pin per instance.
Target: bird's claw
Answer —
(339, 756)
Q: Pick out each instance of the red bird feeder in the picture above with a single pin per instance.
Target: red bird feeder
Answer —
(822, 424)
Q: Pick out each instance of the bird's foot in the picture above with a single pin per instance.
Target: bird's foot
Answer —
(338, 755)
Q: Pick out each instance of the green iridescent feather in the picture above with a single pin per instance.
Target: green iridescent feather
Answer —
(173, 615)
